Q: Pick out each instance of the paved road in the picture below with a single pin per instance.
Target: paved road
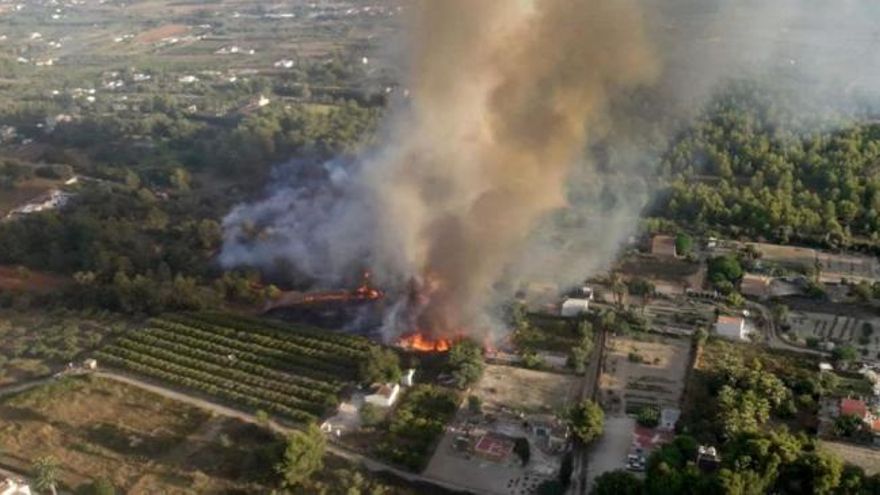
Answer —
(590, 389)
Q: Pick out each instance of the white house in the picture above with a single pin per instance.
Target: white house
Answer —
(384, 395)
(731, 327)
(574, 307)
(11, 486)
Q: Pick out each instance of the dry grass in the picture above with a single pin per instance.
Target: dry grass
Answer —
(95, 427)
(17, 279)
(525, 390)
(161, 32)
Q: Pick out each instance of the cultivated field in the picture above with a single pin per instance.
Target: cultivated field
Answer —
(36, 344)
(141, 442)
(638, 373)
(862, 332)
(291, 371)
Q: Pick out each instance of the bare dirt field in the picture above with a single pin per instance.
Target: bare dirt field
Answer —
(638, 373)
(525, 390)
(161, 32)
(141, 442)
(19, 279)
(24, 192)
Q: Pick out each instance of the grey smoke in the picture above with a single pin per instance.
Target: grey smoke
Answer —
(481, 182)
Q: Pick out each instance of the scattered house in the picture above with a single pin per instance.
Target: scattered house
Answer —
(408, 379)
(731, 327)
(188, 79)
(14, 486)
(853, 407)
(262, 101)
(663, 245)
(90, 364)
(708, 458)
(574, 307)
(284, 64)
(826, 367)
(586, 292)
(383, 395)
(757, 286)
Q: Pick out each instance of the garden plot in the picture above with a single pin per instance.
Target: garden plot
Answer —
(639, 373)
(811, 329)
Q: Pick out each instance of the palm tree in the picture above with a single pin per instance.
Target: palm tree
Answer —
(45, 473)
(618, 288)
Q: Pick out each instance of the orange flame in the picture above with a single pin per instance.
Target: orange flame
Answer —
(417, 341)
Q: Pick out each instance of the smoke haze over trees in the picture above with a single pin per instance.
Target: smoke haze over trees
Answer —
(529, 143)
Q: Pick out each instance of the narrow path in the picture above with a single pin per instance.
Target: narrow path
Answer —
(338, 450)
(24, 386)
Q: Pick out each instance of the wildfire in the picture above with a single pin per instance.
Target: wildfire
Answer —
(418, 341)
(364, 292)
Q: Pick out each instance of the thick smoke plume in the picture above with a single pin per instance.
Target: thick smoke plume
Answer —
(504, 99)
(520, 152)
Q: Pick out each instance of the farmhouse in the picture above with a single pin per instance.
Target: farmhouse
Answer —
(13, 486)
(383, 395)
(574, 307)
(731, 327)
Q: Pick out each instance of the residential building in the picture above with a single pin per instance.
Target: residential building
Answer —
(383, 395)
(14, 486)
(731, 327)
(574, 307)
(708, 458)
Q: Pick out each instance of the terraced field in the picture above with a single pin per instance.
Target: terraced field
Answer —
(291, 371)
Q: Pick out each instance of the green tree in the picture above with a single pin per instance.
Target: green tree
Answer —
(648, 416)
(684, 244)
(725, 269)
(587, 421)
(618, 482)
(475, 404)
(370, 415)
(303, 456)
(466, 362)
(844, 353)
(382, 365)
(100, 486)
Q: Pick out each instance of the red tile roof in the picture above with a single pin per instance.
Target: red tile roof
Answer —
(853, 407)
